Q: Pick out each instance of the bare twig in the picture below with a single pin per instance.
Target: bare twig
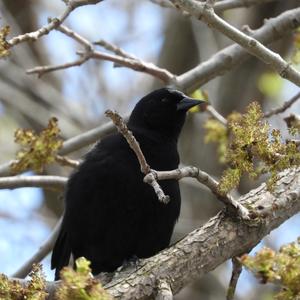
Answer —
(236, 272)
(131, 140)
(49, 182)
(164, 291)
(163, 3)
(219, 6)
(43, 251)
(123, 59)
(230, 4)
(206, 13)
(65, 161)
(137, 65)
(212, 111)
(134, 145)
(113, 48)
(41, 70)
(283, 108)
(53, 24)
(207, 180)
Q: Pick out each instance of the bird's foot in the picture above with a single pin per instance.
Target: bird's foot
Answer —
(129, 264)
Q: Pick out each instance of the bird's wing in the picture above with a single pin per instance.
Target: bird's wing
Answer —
(61, 252)
(101, 211)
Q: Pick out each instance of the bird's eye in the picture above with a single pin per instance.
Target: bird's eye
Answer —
(165, 100)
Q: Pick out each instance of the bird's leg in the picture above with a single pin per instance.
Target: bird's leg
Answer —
(132, 262)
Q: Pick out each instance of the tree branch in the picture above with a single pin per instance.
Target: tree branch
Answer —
(230, 4)
(164, 291)
(134, 145)
(220, 6)
(53, 24)
(283, 108)
(233, 206)
(220, 239)
(49, 182)
(236, 272)
(123, 59)
(43, 251)
(205, 12)
(231, 56)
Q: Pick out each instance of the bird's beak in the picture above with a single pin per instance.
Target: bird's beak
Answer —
(186, 103)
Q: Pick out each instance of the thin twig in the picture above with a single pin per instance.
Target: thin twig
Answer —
(207, 180)
(113, 48)
(41, 70)
(65, 161)
(53, 24)
(49, 182)
(131, 140)
(236, 272)
(137, 65)
(124, 60)
(220, 6)
(230, 4)
(42, 252)
(283, 108)
(134, 145)
(212, 111)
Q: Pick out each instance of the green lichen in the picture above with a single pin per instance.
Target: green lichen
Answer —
(4, 45)
(38, 149)
(79, 284)
(281, 268)
(34, 289)
(250, 147)
(217, 133)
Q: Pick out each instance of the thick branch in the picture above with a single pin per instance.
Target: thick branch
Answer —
(220, 239)
(226, 59)
(205, 12)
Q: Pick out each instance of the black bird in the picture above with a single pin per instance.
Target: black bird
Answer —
(111, 215)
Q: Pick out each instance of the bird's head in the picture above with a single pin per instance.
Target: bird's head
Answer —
(162, 111)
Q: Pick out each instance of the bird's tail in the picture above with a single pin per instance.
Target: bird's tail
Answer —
(61, 253)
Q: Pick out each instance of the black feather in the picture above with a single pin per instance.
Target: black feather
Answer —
(111, 215)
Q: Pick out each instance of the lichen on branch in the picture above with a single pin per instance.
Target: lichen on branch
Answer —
(38, 149)
(79, 284)
(249, 146)
(34, 289)
(281, 268)
(4, 46)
